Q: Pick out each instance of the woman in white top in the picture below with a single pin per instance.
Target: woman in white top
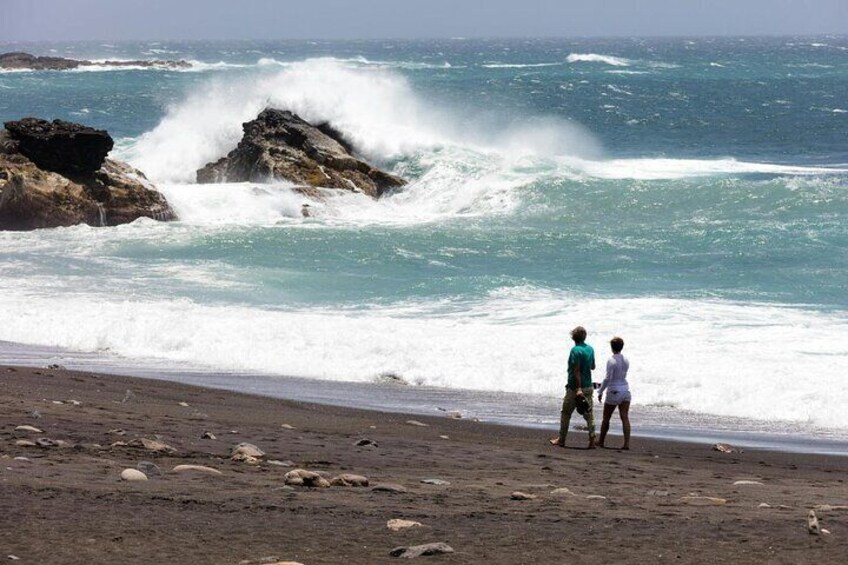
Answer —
(618, 392)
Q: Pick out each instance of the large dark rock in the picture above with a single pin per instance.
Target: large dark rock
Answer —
(25, 61)
(33, 197)
(280, 145)
(59, 146)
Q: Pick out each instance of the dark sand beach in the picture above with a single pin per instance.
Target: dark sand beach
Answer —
(663, 502)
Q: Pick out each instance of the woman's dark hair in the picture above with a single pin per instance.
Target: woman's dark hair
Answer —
(617, 344)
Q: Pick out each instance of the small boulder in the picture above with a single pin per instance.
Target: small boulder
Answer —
(149, 468)
(349, 480)
(304, 478)
(419, 550)
(397, 524)
(196, 469)
(133, 475)
(248, 450)
(390, 488)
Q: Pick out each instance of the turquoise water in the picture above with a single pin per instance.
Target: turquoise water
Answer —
(687, 194)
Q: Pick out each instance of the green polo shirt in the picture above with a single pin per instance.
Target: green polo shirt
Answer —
(583, 355)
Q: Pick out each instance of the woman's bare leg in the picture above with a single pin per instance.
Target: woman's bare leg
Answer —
(605, 424)
(624, 412)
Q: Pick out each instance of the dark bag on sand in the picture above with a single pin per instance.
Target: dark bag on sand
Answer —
(582, 405)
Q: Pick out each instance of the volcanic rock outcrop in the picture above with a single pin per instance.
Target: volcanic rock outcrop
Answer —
(26, 61)
(281, 145)
(56, 174)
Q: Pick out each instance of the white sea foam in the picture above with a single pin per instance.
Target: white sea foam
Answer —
(518, 65)
(716, 358)
(657, 169)
(597, 58)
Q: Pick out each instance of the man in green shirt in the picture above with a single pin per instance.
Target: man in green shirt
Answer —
(581, 362)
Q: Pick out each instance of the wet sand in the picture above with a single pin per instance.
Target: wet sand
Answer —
(663, 502)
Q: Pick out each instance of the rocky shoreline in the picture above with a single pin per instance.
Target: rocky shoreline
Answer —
(102, 469)
(25, 61)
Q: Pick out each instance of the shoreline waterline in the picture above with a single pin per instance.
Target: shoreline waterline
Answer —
(512, 409)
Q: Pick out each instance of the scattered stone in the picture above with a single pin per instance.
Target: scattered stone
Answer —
(184, 404)
(444, 437)
(751, 483)
(25, 443)
(24, 459)
(55, 367)
(562, 491)
(764, 505)
(35, 414)
(703, 501)
(242, 458)
(149, 468)
(454, 415)
(437, 482)
(595, 497)
(117, 432)
(128, 396)
(656, 492)
(825, 532)
(366, 443)
(419, 550)
(196, 468)
(13, 557)
(277, 463)
(416, 423)
(813, 523)
(208, 435)
(287, 427)
(30, 429)
(390, 379)
(518, 495)
(245, 449)
(304, 478)
(829, 508)
(390, 488)
(58, 402)
(150, 445)
(397, 524)
(349, 480)
(48, 443)
(75, 402)
(725, 448)
(133, 475)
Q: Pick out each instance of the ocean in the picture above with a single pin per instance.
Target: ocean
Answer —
(688, 195)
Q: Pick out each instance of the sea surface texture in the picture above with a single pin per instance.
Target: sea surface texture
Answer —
(688, 195)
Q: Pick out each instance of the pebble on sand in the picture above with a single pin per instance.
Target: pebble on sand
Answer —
(813, 523)
(287, 427)
(389, 487)
(196, 468)
(518, 495)
(595, 497)
(829, 507)
(148, 444)
(349, 480)
(419, 550)
(304, 478)
(751, 483)
(208, 435)
(562, 491)
(416, 423)
(437, 482)
(31, 429)
(397, 524)
(133, 475)
(25, 443)
(247, 450)
(725, 448)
